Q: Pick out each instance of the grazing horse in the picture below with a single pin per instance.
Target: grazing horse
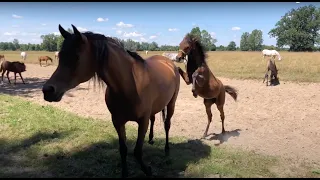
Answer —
(23, 55)
(271, 53)
(44, 58)
(15, 67)
(137, 89)
(2, 57)
(205, 84)
(56, 55)
(273, 73)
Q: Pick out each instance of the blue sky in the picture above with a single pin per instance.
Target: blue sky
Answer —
(162, 22)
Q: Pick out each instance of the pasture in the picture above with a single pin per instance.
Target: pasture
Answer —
(294, 66)
(265, 127)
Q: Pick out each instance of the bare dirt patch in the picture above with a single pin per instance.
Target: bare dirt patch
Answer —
(282, 120)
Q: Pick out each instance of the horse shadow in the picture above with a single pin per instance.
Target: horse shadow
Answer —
(96, 160)
(32, 84)
(274, 82)
(224, 137)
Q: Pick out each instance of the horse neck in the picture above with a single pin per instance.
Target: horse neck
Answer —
(119, 73)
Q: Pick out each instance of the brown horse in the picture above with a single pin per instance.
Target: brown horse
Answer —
(15, 67)
(44, 58)
(205, 84)
(137, 89)
(271, 66)
(2, 57)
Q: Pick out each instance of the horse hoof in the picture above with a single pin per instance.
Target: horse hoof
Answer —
(151, 142)
(167, 152)
(148, 171)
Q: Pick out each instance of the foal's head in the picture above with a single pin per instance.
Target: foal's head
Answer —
(185, 46)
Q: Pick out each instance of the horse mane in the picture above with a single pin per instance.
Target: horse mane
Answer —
(136, 56)
(198, 47)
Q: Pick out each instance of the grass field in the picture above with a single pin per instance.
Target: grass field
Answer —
(299, 67)
(42, 141)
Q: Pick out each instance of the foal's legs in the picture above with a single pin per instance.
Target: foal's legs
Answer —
(143, 127)
(21, 78)
(208, 103)
(2, 75)
(152, 119)
(15, 78)
(184, 76)
(8, 77)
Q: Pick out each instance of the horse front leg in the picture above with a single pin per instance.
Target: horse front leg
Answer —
(142, 130)
(8, 77)
(184, 76)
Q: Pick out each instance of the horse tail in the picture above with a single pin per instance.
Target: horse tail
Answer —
(164, 114)
(231, 91)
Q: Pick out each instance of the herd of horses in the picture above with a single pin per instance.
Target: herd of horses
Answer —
(137, 88)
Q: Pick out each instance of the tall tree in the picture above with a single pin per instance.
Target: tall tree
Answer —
(298, 29)
(255, 40)
(232, 46)
(244, 42)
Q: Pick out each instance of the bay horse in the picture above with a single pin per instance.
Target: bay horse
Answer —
(15, 67)
(205, 84)
(271, 53)
(44, 58)
(56, 55)
(271, 66)
(137, 89)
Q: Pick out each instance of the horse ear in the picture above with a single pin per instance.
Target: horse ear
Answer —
(65, 34)
(78, 33)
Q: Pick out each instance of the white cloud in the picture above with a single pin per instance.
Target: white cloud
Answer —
(13, 33)
(43, 24)
(142, 39)
(100, 19)
(56, 33)
(153, 37)
(173, 29)
(132, 34)
(119, 32)
(122, 24)
(235, 28)
(298, 2)
(16, 16)
(213, 34)
(82, 29)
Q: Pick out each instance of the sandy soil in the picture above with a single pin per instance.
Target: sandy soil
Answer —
(282, 120)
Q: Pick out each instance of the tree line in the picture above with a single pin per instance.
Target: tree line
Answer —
(299, 29)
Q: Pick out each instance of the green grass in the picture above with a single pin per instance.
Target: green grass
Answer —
(43, 141)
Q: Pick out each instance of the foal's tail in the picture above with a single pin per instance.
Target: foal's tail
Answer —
(232, 91)
(164, 113)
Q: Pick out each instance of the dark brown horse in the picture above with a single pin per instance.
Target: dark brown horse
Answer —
(205, 84)
(137, 89)
(15, 67)
(44, 58)
(2, 57)
(271, 66)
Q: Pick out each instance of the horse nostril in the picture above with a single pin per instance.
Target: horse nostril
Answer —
(48, 89)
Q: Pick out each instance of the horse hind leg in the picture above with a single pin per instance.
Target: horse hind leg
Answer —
(8, 77)
(15, 78)
(208, 103)
(220, 108)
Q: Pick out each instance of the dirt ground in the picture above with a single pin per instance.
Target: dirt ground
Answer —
(282, 120)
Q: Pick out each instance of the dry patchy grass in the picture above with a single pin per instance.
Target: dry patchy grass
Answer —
(295, 66)
(43, 141)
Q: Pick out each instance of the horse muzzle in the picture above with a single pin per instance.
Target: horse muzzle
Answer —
(50, 94)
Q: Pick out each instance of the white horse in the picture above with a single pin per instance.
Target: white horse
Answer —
(147, 52)
(23, 55)
(272, 53)
(56, 55)
(173, 56)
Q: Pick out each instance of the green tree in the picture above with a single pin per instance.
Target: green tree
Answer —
(49, 42)
(298, 29)
(244, 42)
(232, 46)
(255, 40)
(16, 43)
